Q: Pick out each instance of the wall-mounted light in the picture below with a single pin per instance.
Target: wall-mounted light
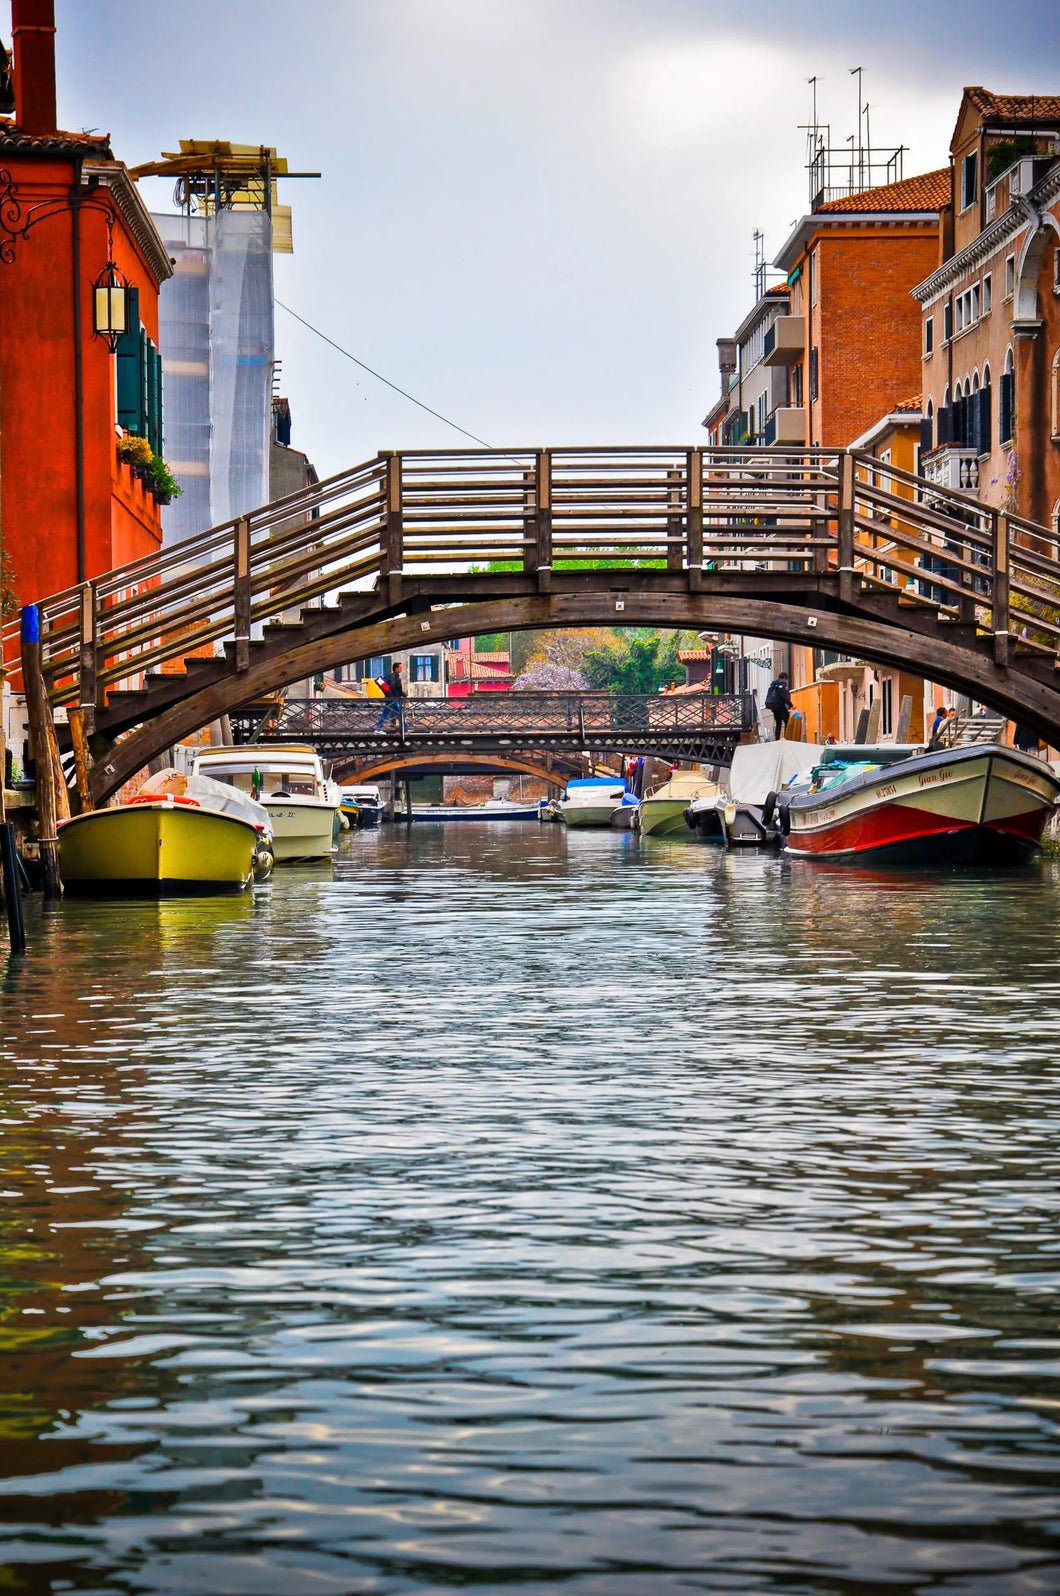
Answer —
(110, 305)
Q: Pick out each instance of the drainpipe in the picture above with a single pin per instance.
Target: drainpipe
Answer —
(79, 373)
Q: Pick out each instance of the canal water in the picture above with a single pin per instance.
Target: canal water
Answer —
(513, 1209)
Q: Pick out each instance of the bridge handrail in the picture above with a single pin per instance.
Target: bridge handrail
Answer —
(542, 512)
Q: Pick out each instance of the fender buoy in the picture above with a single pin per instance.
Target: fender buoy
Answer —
(783, 818)
(769, 807)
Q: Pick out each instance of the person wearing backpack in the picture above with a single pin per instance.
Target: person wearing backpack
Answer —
(393, 697)
(778, 702)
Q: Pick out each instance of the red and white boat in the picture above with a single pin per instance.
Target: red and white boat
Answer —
(984, 804)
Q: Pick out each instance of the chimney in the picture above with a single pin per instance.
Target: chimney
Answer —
(33, 40)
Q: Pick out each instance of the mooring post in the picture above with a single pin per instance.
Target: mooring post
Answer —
(393, 531)
(11, 887)
(241, 595)
(694, 516)
(543, 521)
(38, 714)
(89, 687)
(845, 527)
(999, 531)
(82, 762)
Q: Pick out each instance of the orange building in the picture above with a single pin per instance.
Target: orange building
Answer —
(991, 310)
(852, 335)
(71, 509)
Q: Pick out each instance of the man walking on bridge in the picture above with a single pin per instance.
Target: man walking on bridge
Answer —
(778, 702)
(394, 702)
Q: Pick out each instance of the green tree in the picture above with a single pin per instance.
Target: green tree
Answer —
(640, 661)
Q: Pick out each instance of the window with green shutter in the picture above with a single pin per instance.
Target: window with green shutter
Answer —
(130, 414)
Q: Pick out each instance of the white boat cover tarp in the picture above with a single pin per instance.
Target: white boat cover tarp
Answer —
(761, 768)
(215, 795)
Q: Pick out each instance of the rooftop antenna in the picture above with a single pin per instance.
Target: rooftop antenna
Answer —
(856, 72)
(760, 262)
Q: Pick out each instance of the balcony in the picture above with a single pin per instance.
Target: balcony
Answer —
(787, 424)
(951, 467)
(785, 341)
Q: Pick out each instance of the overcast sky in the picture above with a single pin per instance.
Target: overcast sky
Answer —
(536, 215)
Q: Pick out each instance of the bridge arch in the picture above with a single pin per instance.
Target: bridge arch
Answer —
(478, 764)
(913, 646)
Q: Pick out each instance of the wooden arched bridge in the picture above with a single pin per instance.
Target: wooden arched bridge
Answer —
(823, 547)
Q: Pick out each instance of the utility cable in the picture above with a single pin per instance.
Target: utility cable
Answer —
(378, 375)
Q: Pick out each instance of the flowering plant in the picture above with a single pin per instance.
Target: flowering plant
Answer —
(151, 467)
(134, 449)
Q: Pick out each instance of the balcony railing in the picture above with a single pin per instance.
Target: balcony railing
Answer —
(951, 467)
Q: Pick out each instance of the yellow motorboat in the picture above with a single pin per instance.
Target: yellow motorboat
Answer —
(160, 843)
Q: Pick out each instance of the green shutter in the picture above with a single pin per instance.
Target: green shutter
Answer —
(151, 379)
(128, 355)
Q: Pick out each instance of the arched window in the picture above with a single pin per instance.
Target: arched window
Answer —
(927, 429)
(983, 420)
(1006, 407)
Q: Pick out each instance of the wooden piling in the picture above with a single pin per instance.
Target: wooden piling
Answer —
(11, 887)
(38, 713)
(905, 719)
(82, 759)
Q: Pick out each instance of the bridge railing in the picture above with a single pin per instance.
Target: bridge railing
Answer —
(402, 517)
(577, 715)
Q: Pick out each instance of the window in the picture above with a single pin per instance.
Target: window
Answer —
(1055, 395)
(926, 428)
(1006, 407)
(796, 385)
(947, 322)
(424, 668)
(969, 181)
(378, 665)
(988, 293)
(1010, 276)
(814, 375)
(139, 379)
(967, 307)
(929, 335)
(886, 707)
(991, 203)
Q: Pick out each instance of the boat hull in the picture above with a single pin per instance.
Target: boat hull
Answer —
(960, 806)
(664, 817)
(156, 850)
(302, 828)
(588, 814)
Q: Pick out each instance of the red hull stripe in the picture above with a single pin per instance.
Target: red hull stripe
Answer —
(894, 823)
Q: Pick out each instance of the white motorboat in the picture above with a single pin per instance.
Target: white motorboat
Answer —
(288, 781)
(662, 812)
(592, 800)
(744, 812)
(363, 805)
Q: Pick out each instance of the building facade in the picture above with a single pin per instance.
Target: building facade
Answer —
(990, 313)
(71, 220)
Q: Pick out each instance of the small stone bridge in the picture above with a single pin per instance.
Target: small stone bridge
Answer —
(812, 546)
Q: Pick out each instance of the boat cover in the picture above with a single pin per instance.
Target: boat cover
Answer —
(215, 795)
(761, 768)
(596, 781)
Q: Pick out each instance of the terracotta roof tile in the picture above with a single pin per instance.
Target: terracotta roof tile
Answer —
(1016, 108)
(928, 192)
(916, 403)
(14, 142)
(689, 656)
(778, 288)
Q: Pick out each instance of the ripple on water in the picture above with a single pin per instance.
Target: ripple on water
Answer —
(510, 1206)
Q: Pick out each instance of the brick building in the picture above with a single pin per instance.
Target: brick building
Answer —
(852, 335)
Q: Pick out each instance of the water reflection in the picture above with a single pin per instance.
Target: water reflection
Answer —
(512, 1206)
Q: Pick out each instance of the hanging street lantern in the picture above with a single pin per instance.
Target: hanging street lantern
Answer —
(110, 303)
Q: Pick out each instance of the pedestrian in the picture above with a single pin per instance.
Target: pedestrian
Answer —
(1026, 739)
(778, 702)
(938, 726)
(394, 702)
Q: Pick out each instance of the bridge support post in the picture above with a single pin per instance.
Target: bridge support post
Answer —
(241, 600)
(543, 522)
(89, 701)
(1000, 597)
(845, 528)
(675, 554)
(694, 519)
(393, 532)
